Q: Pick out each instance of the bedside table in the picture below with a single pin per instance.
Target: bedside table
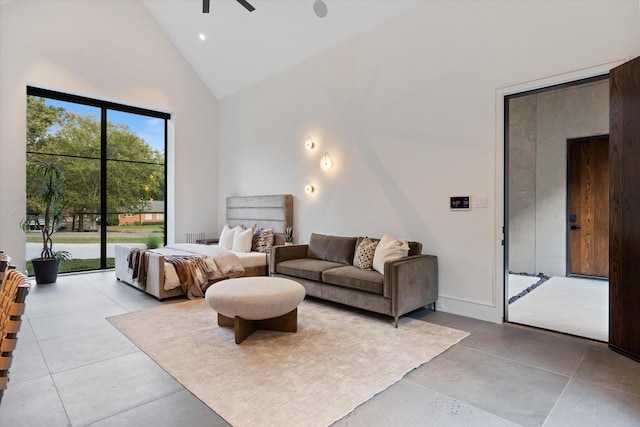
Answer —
(207, 241)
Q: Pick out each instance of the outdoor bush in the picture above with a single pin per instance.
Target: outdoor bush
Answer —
(112, 220)
(153, 241)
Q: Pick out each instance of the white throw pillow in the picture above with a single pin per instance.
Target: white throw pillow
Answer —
(389, 249)
(226, 237)
(242, 240)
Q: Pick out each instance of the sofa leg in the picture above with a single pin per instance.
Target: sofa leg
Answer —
(396, 321)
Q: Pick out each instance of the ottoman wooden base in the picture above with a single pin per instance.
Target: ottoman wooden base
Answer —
(250, 303)
(243, 327)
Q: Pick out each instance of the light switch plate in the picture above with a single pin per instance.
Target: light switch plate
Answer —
(480, 201)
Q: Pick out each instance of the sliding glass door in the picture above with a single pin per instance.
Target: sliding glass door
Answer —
(112, 159)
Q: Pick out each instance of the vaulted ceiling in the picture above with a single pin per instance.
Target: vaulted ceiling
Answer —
(241, 48)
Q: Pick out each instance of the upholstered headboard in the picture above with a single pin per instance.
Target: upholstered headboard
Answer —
(274, 211)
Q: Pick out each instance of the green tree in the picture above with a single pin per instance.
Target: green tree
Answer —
(41, 118)
(132, 185)
(135, 171)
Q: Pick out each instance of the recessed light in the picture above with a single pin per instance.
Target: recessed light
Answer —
(202, 36)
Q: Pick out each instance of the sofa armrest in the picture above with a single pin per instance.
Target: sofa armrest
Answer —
(285, 253)
(411, 282)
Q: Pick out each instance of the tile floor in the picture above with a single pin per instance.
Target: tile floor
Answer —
(73, 368)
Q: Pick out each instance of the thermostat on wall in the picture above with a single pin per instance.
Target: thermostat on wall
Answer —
(460, 203)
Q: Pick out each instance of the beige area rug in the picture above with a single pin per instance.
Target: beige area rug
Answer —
(338, 359)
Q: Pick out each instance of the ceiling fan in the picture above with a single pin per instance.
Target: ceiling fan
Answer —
(206, 4)
(319, 7)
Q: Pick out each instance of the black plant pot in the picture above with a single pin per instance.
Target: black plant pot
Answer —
(45, 269)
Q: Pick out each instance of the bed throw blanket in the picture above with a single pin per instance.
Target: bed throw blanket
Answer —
(195, 271)
(137, 261)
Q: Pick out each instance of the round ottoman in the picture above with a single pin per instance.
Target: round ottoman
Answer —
(250, 303)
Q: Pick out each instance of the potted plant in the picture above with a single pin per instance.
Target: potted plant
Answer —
(288, 236)
(46, 216)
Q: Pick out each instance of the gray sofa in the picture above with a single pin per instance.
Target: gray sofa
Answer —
(325, 268)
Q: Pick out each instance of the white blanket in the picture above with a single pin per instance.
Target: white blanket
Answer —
(227, 261)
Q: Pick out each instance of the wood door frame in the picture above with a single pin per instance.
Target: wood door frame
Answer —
(624, 180)
(570, 142)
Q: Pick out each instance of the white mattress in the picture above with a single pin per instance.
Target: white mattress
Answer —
(252, 259)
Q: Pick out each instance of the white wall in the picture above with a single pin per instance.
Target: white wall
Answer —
(111, 50)
(408, 111)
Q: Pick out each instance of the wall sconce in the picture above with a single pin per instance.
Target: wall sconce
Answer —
(326, 162)
(308, 143)
(308, 188)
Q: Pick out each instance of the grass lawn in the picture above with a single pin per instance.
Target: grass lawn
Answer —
(81, 238)
(116, 234)
(92, 237)
(135, 228)
(77, 265)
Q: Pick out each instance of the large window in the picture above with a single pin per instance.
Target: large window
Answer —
(112, 159)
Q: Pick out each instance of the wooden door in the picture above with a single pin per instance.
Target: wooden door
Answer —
(588, 221)
(624, 209)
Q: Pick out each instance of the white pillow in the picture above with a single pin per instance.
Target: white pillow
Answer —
(389, 249)
(242, 240)
(226, 237)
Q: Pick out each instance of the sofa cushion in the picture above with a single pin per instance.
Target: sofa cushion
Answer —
(352, 277)
(306, 268)
(363, 259)
(415, 248)
(332, 248)
(389, 249)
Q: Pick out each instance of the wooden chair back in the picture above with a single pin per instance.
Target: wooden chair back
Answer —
(14, 289)
(5, 260)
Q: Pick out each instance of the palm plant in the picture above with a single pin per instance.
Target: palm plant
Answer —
(49, 203)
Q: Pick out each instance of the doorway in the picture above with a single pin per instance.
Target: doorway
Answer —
(547, 285)
(588, 207)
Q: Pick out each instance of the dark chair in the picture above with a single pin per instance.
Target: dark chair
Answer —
(14, 289)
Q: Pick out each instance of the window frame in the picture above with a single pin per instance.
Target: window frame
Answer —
(104, 106)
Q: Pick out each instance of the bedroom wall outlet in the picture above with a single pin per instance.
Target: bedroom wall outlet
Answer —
(439, 304)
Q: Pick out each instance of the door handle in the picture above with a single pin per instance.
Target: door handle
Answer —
(575, 227)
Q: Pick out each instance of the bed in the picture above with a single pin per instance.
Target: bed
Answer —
(161, 279)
